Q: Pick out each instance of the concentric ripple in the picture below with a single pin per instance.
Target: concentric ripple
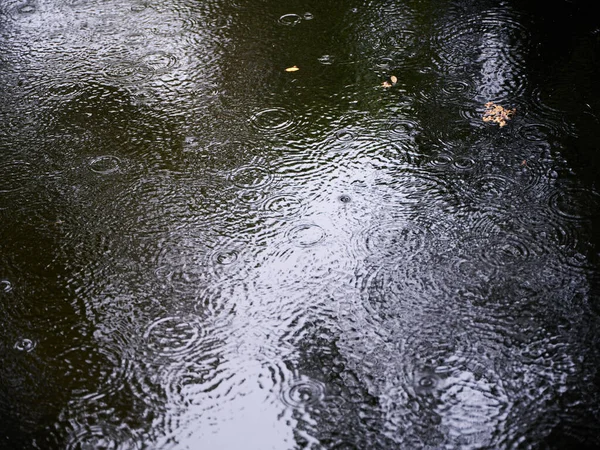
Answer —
(25, 345)
(5, 286)
(429, 353)
(105, 436)
(252, 177)
(290, 20)
(123, 70)
(392, 239)
(174, 337)
(95, 371)
(105, 164)
(282, 206)
(159, 61)
(506, 250)
(575, 204)
(274, 119)
(306, 235)
(303, 392)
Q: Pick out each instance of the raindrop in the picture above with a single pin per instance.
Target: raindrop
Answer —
(441, 160)
(505, 250)
(105, 164)
(27, 8)
(304, 392)
(282, 206)
(464, 163)
(252, 177)
(308, 16)
(456, 87)
(173, 336)
(306, 235)
(345, 135)
(575, 204)
(105, 436)
(96, 371)
(436, 353)
(159, 61)
(427, 382)
(344, 198)
(326, 60)
(535, 132)
(5, 286)
(290, 19)
(272, 119)
(403, 128)
(226, 258)
(126, 70)
(25, 345)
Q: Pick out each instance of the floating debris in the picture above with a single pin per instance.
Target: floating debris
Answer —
(292, 69)
(388, 84)
(496, 113)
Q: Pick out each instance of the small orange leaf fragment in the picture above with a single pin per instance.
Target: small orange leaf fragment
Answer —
(388, 84)
(292, 69)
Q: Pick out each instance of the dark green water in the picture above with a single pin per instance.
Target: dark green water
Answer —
(202, 250)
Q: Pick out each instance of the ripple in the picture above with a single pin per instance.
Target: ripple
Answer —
(535, 132)
(392, 239)
(575, 204)
(252, 196)
(431, 353)
(398, 41)
(506, 250)
(105, 164)
(290, 19)
(27, 8)
(345, 135)
(126, 70)
(282, 205)
(464, 163)
(303, 392)
(404, 128)
(306, 235)
(174, 337)
(14, 175)
(25, 345)
(456, 88)
(425, 380)
(184, 277)
(159, 61)
(441, 160)
(229, 260)
(490, 187)
(5, 286)
(252, 177)
(94, 371)
(494, 39)
(105, 436)
(273, 119)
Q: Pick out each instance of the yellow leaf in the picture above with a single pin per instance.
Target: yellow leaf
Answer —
(292, 69)
(393, 79)
(385, 84)
(498, 114)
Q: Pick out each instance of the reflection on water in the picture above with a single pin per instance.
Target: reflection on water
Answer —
(199, 248)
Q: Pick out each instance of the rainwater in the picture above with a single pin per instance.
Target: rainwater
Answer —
(253, 224)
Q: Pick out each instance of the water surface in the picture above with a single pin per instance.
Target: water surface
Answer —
(200, 249)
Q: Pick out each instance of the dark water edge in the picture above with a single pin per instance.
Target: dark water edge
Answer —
(201, 250)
